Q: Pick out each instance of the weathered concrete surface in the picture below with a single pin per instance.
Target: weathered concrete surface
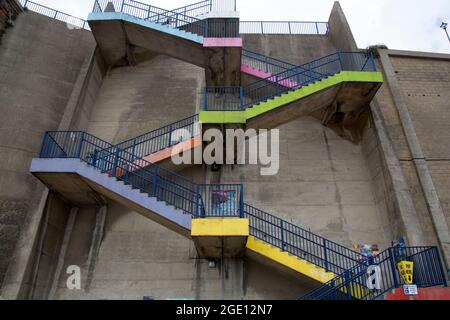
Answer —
(81, 184)
(324, 184)
(340, 33)
(119, 37)
(38, 70)
(136, 100)
(418, 84)
(295, 49)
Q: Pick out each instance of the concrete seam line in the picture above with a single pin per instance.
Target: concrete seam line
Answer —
(403, 199)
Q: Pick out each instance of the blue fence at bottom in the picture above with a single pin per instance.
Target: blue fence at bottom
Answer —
(375, 277)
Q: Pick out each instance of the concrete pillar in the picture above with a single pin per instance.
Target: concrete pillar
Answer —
(62, 253)
(97, 238)
(407, 213)
(423, 173)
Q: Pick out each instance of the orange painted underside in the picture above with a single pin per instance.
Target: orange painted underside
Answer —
(162, 155)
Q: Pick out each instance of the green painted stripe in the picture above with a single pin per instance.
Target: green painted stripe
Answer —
(242, 116)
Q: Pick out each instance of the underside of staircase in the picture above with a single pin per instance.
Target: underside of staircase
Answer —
(255, 92)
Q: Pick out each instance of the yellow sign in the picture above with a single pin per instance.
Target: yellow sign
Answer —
(406, 271)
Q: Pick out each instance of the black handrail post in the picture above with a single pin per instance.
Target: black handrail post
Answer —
(154, 180)
(393, 268)
(80, 145)
(347, 284)
(116, 162)
(282, 234)
(325, 254)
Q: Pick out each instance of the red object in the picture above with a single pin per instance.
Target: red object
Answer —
(424, 294)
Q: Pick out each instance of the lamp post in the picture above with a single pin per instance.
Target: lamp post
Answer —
(444, 26)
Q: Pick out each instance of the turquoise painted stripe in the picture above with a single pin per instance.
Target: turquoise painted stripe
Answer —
(105, 16)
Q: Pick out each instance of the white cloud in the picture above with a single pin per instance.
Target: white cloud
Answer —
(400, 24)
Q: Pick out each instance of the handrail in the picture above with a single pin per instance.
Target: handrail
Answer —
(227, 200)
(284, 27)
(55, 14)
(240, 98)
(353, 283)
(300, 242)
(177, 19)
(199, 200)
(162, 138)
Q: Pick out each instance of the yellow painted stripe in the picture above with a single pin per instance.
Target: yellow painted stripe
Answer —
(291, 262)
(212, 227)
(252, 112)
(301, 266)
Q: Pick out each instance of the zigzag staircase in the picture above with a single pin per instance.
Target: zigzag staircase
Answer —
(80, 166)
(159, 145)
(128, 32)
(344, 82)
(75, 163)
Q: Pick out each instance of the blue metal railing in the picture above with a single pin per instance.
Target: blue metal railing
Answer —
(199, 200)
(300, 242)
(55, 14)
(353, 283)
(176, 19)
(227, 200)
(162, 138)
(284, 27)
(240, 98)
(264, 63)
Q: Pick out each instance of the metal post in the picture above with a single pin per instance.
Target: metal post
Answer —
(393, 268)
(205, 104)
(290, 31)
(441, 268)
(197, 201)
(94, 159)
(340, 61)
(80, 145)
(347, 284)
(241, 98)
(116, 161)
(325, 256)
(317, 28)
(155, 173)
(44, 143)
(282, 234)
(372, 59)
(25, 4)
(241, 203)
(170, 136)
(206, 28)
(262, 28)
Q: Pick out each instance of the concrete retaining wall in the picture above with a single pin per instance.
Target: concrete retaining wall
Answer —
(40, 60)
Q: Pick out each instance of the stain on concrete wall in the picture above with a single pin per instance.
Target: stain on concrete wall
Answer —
(39, 62)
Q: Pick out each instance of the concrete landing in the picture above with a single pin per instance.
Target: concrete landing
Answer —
(338, 98)
(217, 238)
(122, 37)
(81, 184)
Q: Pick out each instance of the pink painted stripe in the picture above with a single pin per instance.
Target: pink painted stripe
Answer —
(263, 75)
(222, 42)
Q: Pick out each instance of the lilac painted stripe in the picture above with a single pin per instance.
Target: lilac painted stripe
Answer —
(222, 42)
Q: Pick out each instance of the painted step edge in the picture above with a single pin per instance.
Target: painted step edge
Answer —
(109, 16)
(212, 117)
(292, 262)
(299, 265)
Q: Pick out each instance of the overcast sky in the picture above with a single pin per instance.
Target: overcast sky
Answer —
(400, 24)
